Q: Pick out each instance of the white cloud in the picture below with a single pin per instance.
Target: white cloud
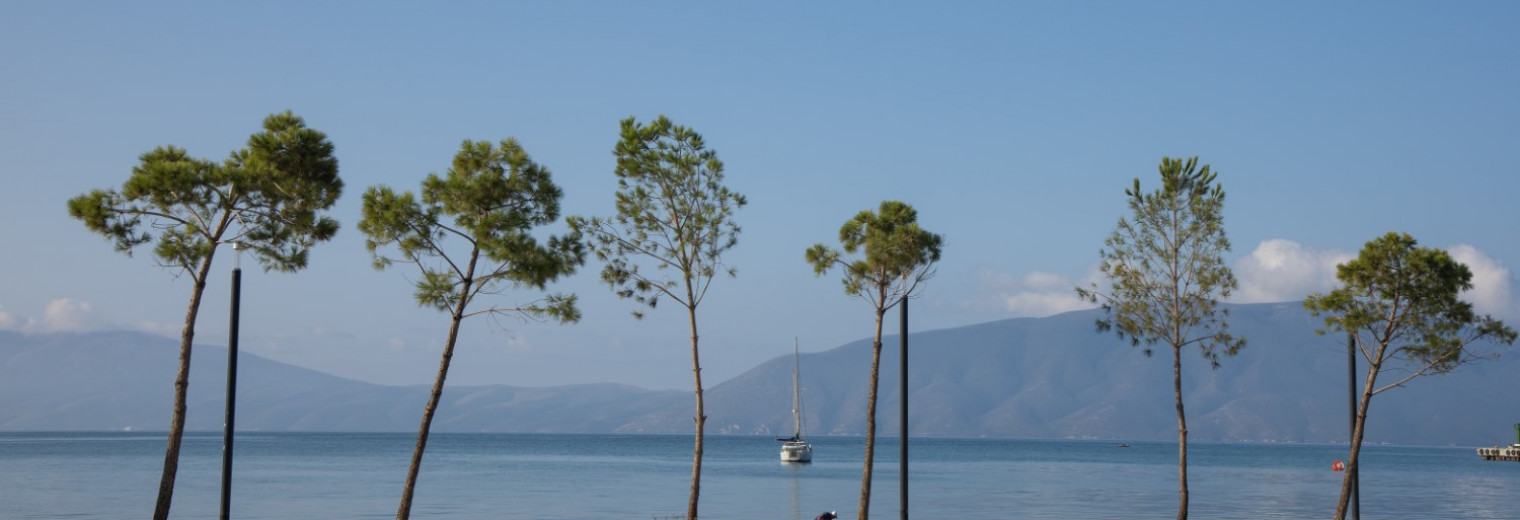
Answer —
(517, 343)
(1284, 270)
(1491, 281)
(1281, 270)
(63, 315)
(322, 331)
(1278, 270)
(172, 330)
(8, 322)
(1035, 295)
(413, 344)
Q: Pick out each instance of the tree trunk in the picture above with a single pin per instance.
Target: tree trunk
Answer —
(181, 388)
(1353, 459)
(404, 510)
(1182, 433)
(865, 476)
(700, 419)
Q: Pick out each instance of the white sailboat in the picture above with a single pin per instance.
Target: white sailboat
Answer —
(795, 448)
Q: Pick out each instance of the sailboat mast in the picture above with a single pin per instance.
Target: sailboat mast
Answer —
(796, 393)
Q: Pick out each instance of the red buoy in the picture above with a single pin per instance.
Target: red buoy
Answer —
(1338, 466)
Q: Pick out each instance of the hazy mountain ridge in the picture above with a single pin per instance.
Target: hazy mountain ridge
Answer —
(1051, 377)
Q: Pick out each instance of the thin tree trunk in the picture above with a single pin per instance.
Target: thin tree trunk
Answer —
(404, 510)
(1353, 460)
(1182, 433)
(181, 388)
(1177, 340)
(700, 418)
(865, 476)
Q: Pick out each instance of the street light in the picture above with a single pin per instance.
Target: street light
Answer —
(903, 419)
(1355, 470)
(232, 354)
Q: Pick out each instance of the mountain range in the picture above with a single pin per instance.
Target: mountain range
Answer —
(1051, 377)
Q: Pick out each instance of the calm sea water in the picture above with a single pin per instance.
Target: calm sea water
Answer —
(90, 476)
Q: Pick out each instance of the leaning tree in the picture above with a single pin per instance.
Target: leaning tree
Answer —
(268, 198)
(1402, 305)
(890, 256)
(471, 234)
(1165, 266)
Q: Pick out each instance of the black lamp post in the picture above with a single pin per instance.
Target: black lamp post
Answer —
(1356, 480)
(232, 355)
(903, 418)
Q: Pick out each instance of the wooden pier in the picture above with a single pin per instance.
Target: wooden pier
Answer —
(1512, 453)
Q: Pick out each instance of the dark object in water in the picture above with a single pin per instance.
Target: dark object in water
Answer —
(1125, 445)
(828, 515)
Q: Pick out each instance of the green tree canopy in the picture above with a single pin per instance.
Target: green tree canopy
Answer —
(894, 254)
(471, 232)
(889, 257)
(491, 200)
(1402, 304)
(268, 197)
(674, 220)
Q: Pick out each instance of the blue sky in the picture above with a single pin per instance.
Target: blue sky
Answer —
(1013, 128)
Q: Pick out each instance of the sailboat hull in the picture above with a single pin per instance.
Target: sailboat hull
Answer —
(798, 451)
